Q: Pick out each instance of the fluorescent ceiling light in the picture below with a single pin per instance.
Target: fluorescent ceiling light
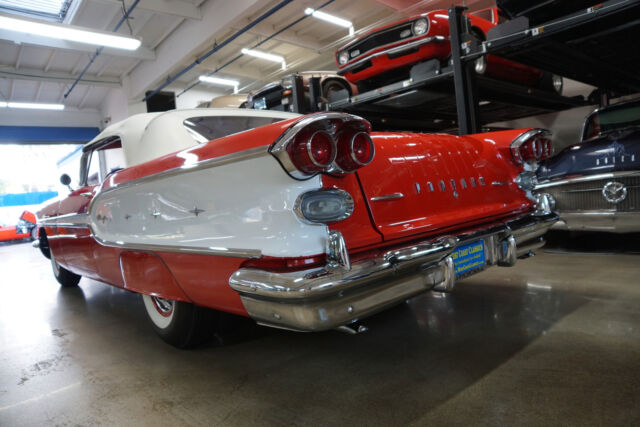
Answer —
(68, 32)
(32, 105)
(219, 81)
(330, 19)
(265, 55)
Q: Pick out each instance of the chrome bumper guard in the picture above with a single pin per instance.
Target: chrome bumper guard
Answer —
(328, 297)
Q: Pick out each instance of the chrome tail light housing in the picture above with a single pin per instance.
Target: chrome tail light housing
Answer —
(532, 147)
(330, 142)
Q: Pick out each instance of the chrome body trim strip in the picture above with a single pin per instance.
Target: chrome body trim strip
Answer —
(68, 220)
(251, 153)
(599, 220)
(391, 196)
(217, 251)
(82, 221)
(328, 297)
(392, 50)
(587, 178)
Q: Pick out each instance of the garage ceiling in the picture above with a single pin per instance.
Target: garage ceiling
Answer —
(176, 32)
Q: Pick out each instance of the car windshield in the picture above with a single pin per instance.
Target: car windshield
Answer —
(611, 119)
(205, 128)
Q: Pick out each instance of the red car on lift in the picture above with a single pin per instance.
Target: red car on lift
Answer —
(25, 229)
(386, 54)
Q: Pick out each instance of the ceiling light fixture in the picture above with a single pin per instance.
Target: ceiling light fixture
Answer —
(32, 105)
(330, 19)
(265, 55)
(219, 81)
(68, 32)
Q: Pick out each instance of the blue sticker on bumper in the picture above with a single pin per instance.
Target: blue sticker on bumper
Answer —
(469, 257)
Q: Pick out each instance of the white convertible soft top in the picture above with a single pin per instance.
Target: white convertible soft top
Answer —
(151, 135)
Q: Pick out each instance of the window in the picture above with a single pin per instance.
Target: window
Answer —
(101, 159)
(93, 171)
(611, 119)
(52, 10)
(484, 14)
(204, 129)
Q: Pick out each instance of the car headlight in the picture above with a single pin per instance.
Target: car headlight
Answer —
(343, 58)
(557, 83)
(420, 27)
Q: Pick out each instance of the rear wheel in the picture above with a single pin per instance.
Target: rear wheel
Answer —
(179, 323)
(34, 233)
(66, 278)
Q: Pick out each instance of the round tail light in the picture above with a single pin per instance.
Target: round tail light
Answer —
(314, 153)
(354, 151)
(532, 146)
(547, 148)
(320, 148)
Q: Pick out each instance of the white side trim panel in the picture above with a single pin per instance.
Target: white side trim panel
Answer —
(246, 204)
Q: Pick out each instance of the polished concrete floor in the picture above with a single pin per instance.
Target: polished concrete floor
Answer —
(553, 341)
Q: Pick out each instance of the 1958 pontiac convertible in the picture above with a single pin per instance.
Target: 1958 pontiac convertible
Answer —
(301, 222)
(596, 182)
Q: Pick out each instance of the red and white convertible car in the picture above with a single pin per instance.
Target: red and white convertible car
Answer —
(300, 222)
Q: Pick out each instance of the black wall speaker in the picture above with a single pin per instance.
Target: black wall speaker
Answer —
(161, 101)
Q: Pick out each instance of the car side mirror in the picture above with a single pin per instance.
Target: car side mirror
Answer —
(66, 180)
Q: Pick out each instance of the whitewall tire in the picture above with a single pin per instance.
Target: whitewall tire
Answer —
(179, 323)
(66, 278)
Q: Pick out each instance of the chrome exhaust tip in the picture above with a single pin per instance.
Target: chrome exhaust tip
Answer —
(352, 329)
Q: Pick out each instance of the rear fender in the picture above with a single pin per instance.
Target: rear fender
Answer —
(501, 142)
(146, 273)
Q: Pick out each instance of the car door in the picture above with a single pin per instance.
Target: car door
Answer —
(78, 246)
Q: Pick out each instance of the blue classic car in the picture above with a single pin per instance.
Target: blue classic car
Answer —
(596, 183)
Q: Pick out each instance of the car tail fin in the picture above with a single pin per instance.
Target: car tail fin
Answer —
(335, 143)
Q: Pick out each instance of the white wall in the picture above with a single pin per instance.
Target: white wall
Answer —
(19, 117)
(118, 106)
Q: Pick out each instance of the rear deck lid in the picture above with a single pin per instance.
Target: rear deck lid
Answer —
(420, 183)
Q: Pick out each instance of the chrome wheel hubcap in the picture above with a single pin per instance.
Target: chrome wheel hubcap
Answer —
(164, 306)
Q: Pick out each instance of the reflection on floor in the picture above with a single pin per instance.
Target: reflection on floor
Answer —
(555, 340)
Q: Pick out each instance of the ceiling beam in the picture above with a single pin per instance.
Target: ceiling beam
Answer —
(181, 8)
(19, 60)
(232, 70)
(30, 39)
(84, 98)
(50, 61)
(39, 75)
(186, 42)
(35, 98)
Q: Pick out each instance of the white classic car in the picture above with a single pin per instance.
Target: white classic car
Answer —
(300, 222)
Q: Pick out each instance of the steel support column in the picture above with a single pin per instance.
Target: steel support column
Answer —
(462, 77)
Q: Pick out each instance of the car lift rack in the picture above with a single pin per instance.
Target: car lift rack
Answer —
(595, 46)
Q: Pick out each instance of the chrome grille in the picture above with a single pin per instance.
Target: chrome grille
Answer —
(588, 195)
(380, 38)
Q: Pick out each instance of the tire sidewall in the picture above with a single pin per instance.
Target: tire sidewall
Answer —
(160, 321)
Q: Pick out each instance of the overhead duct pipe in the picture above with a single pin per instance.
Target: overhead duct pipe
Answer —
(255, 46)
(219, 46)
(99, 50)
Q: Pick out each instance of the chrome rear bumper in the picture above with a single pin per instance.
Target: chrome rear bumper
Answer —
(325, 298)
